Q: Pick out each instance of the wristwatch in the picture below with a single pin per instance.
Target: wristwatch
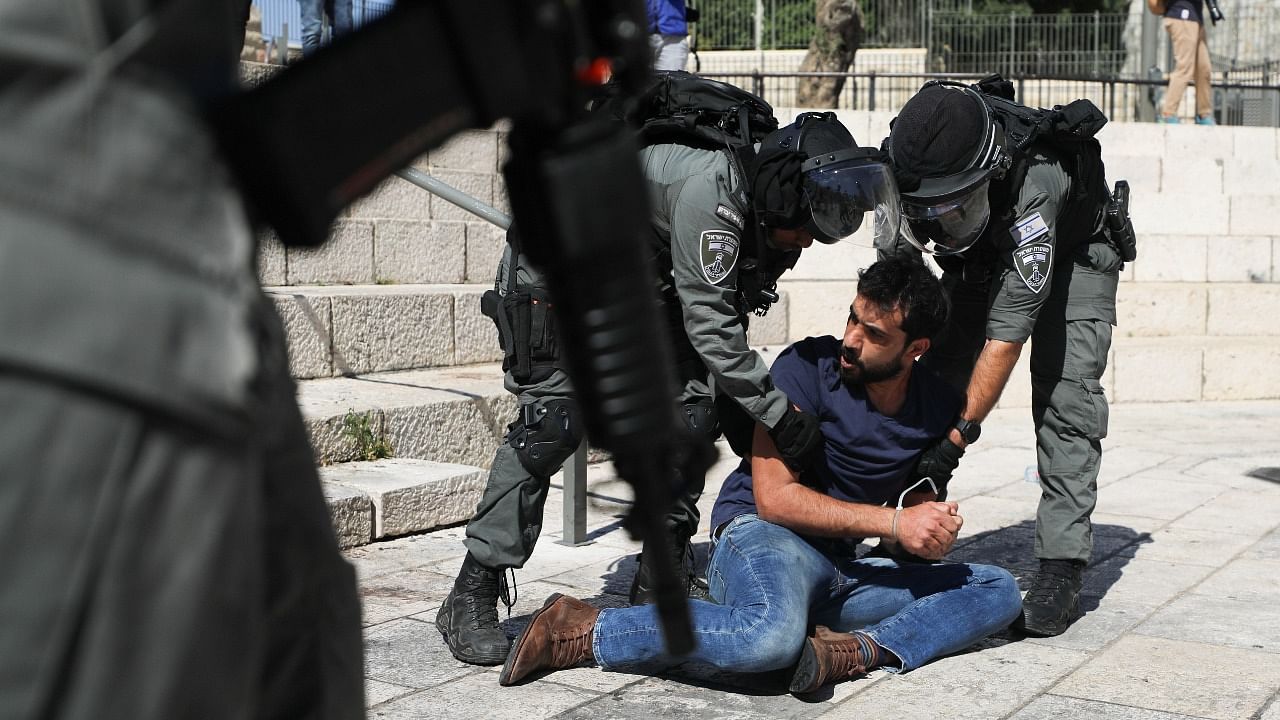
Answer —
(970, 430)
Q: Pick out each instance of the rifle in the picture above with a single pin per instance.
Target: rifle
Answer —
(333, 126)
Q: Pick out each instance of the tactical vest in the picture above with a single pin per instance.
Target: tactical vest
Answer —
(1069, 130)
(685, 109)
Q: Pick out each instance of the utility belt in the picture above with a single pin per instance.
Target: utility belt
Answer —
(527, 330)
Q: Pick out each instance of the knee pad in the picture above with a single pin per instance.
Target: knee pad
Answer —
(702, 417)
(545, 435)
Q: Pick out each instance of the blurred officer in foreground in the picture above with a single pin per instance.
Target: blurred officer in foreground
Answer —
(167, 550)
(710, 217)
(1019, 236)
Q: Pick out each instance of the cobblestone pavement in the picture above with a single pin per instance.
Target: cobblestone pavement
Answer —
(1182, 600)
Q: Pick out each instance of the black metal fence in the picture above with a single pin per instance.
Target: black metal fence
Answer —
(1237, 103)
(1091, 45)
(960, 38)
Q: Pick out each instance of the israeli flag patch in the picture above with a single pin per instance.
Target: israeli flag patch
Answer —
(1028, 229)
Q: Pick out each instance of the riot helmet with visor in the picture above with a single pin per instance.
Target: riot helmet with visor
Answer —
(946, 147)
(811, 174)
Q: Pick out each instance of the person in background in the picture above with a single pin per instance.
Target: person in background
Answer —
(668, 33)
(1184, 21)
(313, 12)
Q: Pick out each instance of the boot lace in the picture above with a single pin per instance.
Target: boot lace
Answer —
(507, 593)
(852, 656)
(485, 614)
(567, 651)
(1052, 579)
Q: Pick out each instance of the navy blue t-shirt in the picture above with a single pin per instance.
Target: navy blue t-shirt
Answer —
(1186, 10)
(867, 457)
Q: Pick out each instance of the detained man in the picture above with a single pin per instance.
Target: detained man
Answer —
(789, 591)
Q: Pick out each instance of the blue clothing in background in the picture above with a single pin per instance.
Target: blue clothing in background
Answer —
(867, 457)
(313, 12)
(666, 17)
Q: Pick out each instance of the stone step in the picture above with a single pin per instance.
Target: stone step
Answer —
(455, 415)
(1186, 257)
(388, 250)
(358, 329)
(459, 415)
(1169, 369)
(397, 496)
(1118, 139)
(361, 329)
(1179, 255)
(1147, 309)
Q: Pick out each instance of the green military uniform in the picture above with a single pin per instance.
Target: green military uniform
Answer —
(1022, 281)
(699, 226)
(167, 550)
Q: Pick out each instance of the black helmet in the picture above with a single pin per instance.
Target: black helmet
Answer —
(812, 174)
(946, 147)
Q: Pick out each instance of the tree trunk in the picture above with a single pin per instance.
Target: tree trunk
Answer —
(836, 38)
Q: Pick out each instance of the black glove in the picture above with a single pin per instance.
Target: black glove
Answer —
(736, 425)
(938, 461)
(797, 435)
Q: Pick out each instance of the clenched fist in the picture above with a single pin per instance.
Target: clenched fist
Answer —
(929, 529)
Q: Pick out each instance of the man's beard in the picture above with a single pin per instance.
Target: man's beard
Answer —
(862, 374)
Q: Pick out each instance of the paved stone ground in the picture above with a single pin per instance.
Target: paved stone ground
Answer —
(1182, 601)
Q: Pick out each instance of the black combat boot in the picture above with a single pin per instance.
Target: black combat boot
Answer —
(1053, 602)
(646, 579)
(468, 619)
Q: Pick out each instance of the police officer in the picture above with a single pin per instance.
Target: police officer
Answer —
(167, 550)
(710, 219)
(1023, 260)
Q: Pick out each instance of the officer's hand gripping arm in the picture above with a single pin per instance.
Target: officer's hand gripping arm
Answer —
(798, 435)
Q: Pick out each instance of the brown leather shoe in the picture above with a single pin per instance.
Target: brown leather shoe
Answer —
(829, 656)
(558, 637)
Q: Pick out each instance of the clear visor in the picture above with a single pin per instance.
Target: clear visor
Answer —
(840, 194)
(947, 227)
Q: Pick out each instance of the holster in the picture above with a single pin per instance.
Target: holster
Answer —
(527, 331)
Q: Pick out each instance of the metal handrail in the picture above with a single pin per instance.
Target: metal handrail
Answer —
(452, 194)
(574, 493)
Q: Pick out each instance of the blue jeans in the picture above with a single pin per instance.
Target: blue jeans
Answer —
(769, 584)
(313, 11)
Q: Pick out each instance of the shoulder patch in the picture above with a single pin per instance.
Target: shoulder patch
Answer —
(719, 254)
(728, 213)
(1028, 228)
(1034, 263)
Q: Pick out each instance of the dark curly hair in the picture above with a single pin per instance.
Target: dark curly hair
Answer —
(898, 282)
